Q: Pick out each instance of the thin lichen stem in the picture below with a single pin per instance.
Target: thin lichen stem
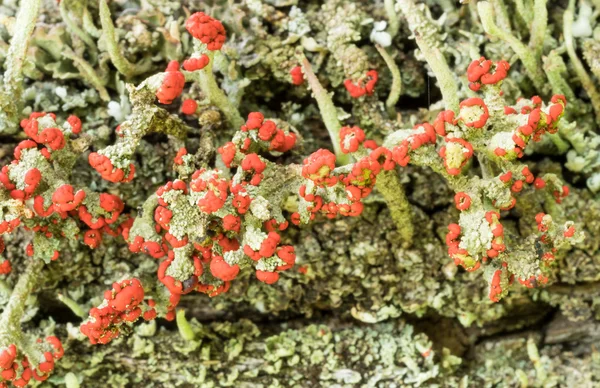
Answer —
(10, 321)
(393, 21)
(328, 111)
(539, 26)
(427, 39)
(584, 78)
(396, 89)
(89, 26)
(523, 11)
(72, 305)
(532, 65)
(184, 327)
(88, 73)
(389, 185)
(209, 86)
(124, 67)
(501, 14)
(75, 29)
(12, 86)
(556, 69)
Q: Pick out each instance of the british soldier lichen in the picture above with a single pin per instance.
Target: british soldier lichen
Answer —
(269, 157)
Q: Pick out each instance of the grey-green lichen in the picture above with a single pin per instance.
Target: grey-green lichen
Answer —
(356, 269)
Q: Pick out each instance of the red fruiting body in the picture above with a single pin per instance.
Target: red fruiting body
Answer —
(467, 153)
(189, 106)
(351, 138)
(92, 238)
(105, 167)
(179, 157)
(267, 277)
(267, 131)
(172, 84)
(569, 232)
(484, 115)
(365, 85)
(255, 166)
(222, 270)
(122, 305)
(227, 153)
(75, 124)
(480, 72)
(318, 166)
(194, 64)
(64, 199)
(462, 201)
(495, 287)
(539, 183)
(231, 223)
(297, 75)
(207, 30)
(446, 116)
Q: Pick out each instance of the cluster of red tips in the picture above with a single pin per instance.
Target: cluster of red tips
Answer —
(268, 248)
(351, 138)
(179, 287)
(267, 131)
(365, 85)
(493, 219)
(207, 30)
(484, 71)
(9, 225)
(241, 199)
(172, 84)
(443, 118)
(31, 181)
(52, 137)
(318, 167)
(18, 369)
(178, 160)
(227, 152)
(123, 305)
(5, 266)
(496, 286)
(216, 190)
(297, 75)
(543, 224)
(66, 199)
(459, 255)
(194, 64)
(538, 121)
(569, 232)
(401, 152)
(533, 281)
(108, 171)
(560, 194)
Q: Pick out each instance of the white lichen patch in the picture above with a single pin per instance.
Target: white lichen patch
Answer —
(476, 232)
(254, 237)
(501, 140)
(30, 158)
(268, 264)
(260, 208)
(234, 257)
(454, 155)
(182, 267)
